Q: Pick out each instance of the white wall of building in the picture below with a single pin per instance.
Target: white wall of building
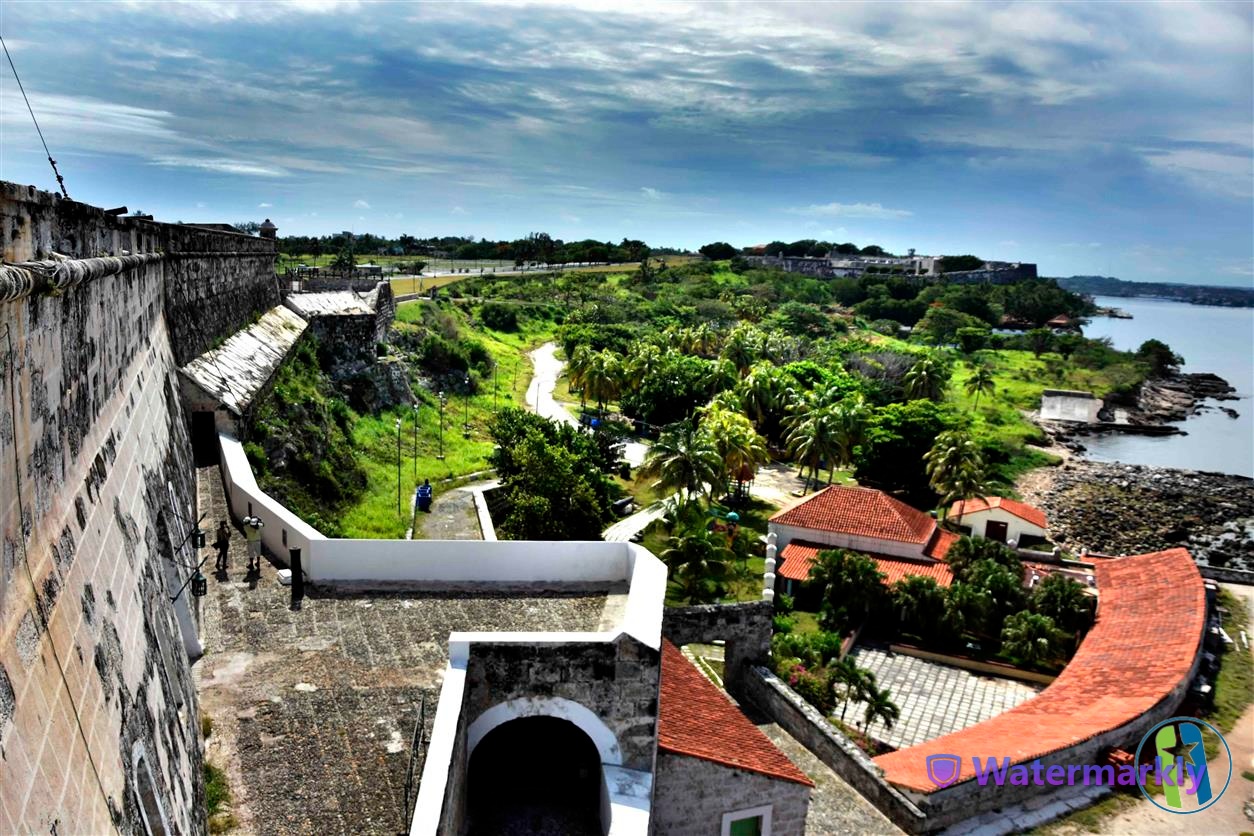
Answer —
(282, 529)
(1016, 527)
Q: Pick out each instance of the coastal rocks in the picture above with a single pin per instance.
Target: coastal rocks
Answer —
(1113, 508)
(1166, 399)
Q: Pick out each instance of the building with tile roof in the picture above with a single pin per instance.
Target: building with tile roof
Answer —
(901, 539)
(716, 771)
(1128, 674)
(1001, 519)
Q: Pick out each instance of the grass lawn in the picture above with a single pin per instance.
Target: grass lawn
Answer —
(1234, 685)
(375, 515)
(422, 284)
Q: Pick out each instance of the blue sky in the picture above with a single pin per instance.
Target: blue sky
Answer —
(1113, 138)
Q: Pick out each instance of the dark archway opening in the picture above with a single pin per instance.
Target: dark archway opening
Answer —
(534, 775)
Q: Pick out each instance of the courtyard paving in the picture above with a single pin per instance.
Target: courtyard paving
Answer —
(313, 710)
(934, 699)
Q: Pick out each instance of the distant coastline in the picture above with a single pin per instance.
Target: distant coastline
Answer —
(1194, 294)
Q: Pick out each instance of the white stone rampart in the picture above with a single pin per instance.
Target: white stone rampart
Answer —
(283, 530)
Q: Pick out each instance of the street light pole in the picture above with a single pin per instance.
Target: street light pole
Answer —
(441, 456)
(495, 369)
(466, 422)
(415, 442)
(398, 466)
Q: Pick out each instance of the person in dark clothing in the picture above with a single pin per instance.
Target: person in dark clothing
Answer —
(222, 544)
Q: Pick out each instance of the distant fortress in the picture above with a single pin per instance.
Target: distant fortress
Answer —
(835, 265)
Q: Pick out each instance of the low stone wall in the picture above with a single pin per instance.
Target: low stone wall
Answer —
(966, 663)
(801, 720)
(745, 627)
(1225, 575)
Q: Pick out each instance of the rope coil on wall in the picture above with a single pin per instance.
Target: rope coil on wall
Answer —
(26, 278)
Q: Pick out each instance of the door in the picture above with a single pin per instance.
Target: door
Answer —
(995, 531)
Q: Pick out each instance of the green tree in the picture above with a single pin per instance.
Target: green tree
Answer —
(1002, 585)
(966, 610)
(849, 682)
(345, 261)
(1031, 638)
(919, 604)
(926, 379)
(968, 551)
(1161, 360)
(683, 459)
(879, 706)
(812, 439)
(737, 443)
(1065, 601)
(719, 251)
(955, 467)
(980, 383)
(699, 560)
(602, 378)
(852, 587)
(1041, 340)
(971, 340)
(898, 436)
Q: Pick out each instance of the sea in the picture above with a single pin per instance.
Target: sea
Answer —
(1211, 339)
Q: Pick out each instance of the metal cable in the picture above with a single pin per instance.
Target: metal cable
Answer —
(52, 162)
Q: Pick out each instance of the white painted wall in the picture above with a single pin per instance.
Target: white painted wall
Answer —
(1070, 408)
(1016, 527)
(283, 529)
(894, 548)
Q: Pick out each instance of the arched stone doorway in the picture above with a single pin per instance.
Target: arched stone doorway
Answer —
(534, 775)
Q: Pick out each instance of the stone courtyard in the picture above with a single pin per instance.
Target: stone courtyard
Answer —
(934, 699)
(313, 711)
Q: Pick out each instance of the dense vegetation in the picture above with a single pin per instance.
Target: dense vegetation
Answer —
(536, 247)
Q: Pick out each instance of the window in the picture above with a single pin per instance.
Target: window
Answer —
(150, 807)
(756, 821)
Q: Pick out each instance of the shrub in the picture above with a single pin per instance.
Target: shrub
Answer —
(499, 317)
(784, 603)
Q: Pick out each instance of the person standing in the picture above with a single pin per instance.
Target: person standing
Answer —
(222, 544)
(252, 533)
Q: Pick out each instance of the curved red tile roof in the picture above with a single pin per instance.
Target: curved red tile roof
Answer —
(1151, 611)
(697, 719)
(1011, 506)
(799, 556)
(864, 512)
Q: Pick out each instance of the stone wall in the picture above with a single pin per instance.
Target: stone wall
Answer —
(811, 729)
(96, 504)
(617, 681)
(692, 795)
(746, 628)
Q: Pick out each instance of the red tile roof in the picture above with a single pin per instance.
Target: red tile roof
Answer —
(941, 541)
(1128, 663)
(799, 556)
(1011, 506)
(697, 719)
(863, 512)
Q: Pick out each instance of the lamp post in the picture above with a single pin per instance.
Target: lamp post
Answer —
(398, 466)
(415, 442)
(466, 422)
(495, 368)
(441, 456)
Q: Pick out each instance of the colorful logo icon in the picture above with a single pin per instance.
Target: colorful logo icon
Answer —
(1180, 766)
(943, 770)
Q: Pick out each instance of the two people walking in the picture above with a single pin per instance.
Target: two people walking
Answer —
(252, 534)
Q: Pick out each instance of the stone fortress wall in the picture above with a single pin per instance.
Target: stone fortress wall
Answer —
(99, 727)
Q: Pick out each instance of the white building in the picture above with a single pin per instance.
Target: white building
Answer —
(1001, 519)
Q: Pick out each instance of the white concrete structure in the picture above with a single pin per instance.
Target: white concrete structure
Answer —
(1063, 405)
(1001, 519)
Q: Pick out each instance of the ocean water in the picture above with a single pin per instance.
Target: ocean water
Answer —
(1218, 340)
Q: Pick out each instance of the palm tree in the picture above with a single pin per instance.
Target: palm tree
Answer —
(743, 347)
(955, 468)
(980, 383)
(850, 419)
(851, 585)
(761, 391)
(602, 378)
(812, 439)
(966, 609)
(926, 379)
(880, 707)
(1065, 601)
(643, 361)
(920, 605)
(849, 682)
(738, 444)
(1031, 637)
(683, 459)
(698, 559)
(577, 370)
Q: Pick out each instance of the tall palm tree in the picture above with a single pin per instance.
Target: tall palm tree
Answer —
(980, 383)
(849, 682)
(738, 444)
(926, 379)
(1031, 637)
(602, 378)
(683, 459)
(643, 361)
(850, 419)
(577, 370)
(879, 706)
(812, 437)
(851, 585)
(743, 347)
(761, 391)
(955, 468)
(698, 559)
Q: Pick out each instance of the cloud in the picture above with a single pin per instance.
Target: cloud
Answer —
(360, 204)
(265, 205)
(457, 210)
(221, 166)
(852, 210)
(651, 193)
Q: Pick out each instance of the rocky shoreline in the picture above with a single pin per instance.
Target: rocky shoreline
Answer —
(1114, 508)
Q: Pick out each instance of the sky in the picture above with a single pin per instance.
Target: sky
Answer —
(1089, 138)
